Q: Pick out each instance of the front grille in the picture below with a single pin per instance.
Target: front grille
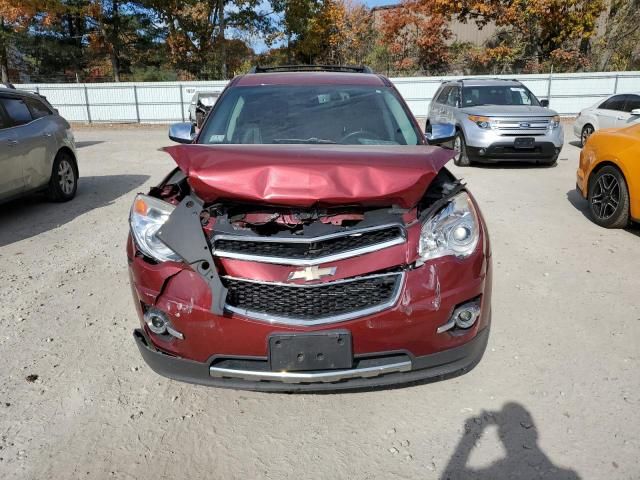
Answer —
(521, 126)
(317, 303)
(347, 244)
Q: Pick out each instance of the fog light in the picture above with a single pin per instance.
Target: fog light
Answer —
(482, 151)
(156, 321)
(464, 316)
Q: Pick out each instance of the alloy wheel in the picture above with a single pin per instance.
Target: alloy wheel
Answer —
(457, 147)
(606, 196)
(586, 133)
(66, 177)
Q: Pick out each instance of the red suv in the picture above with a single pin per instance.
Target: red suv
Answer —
(310, 239)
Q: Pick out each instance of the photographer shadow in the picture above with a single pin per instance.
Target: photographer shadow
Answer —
(524, 460)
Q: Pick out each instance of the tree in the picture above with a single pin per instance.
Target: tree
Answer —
(196, 31)
(534, 32)
(416, 35)
(16, 17)
(619, 47)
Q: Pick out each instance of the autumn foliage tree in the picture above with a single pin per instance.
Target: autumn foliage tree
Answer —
(534, 33)
(16, 16)
(415, 34)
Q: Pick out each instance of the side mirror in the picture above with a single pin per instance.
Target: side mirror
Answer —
(544, 102)
(635, 112)
(440, 133)
(182, 132)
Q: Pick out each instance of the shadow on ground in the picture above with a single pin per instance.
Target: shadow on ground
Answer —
(524, 459)
(576, 143)
(30, 216)
(582, 206)
(88, 143)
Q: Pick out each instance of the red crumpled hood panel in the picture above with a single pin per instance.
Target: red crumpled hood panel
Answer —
(308, 175)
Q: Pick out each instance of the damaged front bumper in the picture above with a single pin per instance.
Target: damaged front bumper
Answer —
(368, 372)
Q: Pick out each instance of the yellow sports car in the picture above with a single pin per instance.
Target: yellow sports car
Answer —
(609, 176)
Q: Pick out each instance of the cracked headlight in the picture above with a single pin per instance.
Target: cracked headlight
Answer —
(452, 230)
(148, 214)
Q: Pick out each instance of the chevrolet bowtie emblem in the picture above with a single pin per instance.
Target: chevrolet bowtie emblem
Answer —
(312, 273)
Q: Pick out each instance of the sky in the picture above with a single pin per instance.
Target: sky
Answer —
(376, 3)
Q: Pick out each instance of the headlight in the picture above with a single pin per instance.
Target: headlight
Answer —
(148, 214)
(555, 122)
(453, 230)
(482, 122)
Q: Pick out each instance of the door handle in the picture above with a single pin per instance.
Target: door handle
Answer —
(47, 134)
(620, 118)
(12, 143)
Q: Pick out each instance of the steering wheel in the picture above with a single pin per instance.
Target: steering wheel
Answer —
(352, 137)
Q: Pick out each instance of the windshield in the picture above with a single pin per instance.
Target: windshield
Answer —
(498, 95)
(339, 114)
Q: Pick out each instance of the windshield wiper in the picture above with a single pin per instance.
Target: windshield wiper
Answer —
(303, 140)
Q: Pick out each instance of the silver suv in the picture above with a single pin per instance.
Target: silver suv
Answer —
(497, 120)
(37, 151)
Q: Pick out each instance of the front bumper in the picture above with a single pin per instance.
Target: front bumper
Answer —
(542, 151)
(370, 371)
(490, 145)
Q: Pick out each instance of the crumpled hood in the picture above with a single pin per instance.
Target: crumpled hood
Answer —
(311, 175)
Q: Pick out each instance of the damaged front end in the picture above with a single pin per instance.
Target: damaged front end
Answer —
(231, 285)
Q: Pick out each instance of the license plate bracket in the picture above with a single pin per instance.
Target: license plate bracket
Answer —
(524, 143)
(310, 351)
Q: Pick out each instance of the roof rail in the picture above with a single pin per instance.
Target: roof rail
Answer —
(312, 68)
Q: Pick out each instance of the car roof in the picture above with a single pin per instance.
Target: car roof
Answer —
(19, 93)
(482, 82)
(310, 78)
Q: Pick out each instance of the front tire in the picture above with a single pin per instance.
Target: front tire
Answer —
(460, 147)
(609, 198)
(64, 178)
(587, 131)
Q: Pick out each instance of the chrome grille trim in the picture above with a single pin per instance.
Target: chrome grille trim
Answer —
(266, 317)
(325, 376)
(303, 262)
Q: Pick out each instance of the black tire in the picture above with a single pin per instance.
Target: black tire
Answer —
(427, 127)
(462, 158)
(587, 131)
(64, 178)
(609, 198)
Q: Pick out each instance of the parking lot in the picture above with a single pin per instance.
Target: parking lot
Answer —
(557, 394)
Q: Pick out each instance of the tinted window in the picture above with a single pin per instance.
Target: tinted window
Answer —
(614, 103)
(633, 102)
(442, 97)
(343, 114)
(38, 109)
(453, 99)
(498, 95)
(17, 110)
(4, 123)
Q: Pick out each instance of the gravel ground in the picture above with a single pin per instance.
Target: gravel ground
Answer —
(557, 394)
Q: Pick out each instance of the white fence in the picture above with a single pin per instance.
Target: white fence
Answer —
(168, 102)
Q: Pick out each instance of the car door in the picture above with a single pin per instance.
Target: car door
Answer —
(632, 102)
(11, 155)
(441, 111)
(44, 131)
(453, 103)
(609, 111)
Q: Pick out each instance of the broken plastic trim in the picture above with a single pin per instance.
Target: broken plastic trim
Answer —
(183, 233)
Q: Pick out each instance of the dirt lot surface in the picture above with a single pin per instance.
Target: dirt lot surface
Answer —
(557, 394)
